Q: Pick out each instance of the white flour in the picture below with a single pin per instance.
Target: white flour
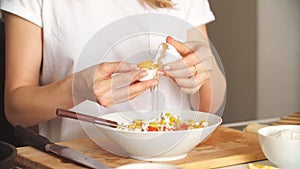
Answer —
(287, 134)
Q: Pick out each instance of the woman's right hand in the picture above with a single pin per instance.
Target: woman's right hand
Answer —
(110, 83)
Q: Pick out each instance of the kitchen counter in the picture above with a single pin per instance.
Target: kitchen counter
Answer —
(244, 166)
(225, 147)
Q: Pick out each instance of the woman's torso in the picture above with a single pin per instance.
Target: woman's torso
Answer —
(70, 25)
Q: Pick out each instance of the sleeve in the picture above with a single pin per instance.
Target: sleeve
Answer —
(30, 10)
(198, 12)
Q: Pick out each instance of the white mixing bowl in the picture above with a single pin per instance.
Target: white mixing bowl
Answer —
(161, 145)
(283, 152)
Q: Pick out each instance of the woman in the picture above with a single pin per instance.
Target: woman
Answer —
(44, 39)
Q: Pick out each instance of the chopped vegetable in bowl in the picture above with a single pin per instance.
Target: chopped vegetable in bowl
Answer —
(169, 145)
(166, 122)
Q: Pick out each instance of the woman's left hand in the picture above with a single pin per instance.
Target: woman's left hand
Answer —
(190, 72)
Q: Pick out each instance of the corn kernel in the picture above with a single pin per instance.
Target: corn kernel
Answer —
(191, 121)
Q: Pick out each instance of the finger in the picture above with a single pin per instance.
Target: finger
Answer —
(179, 46)
(182, 73)
(125, 67)
(141, 86)
(191, 59)
(185, 62)
(194, 82)
(102, 86)
(186, 82)
(127, 78)
(106, 69)
(194, 86)
(129, 92)
(200, 68)
(182, 64)
(125, 93)
(186, 71)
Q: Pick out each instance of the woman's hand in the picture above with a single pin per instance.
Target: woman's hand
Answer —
(190, 72)
(110, 83)
(198, 74)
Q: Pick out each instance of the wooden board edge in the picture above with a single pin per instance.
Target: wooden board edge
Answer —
(225, 161)
(28, 164)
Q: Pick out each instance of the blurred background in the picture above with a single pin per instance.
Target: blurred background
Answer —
(258, 42)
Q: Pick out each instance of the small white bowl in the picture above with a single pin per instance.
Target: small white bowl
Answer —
(160, 145)
(283, 152)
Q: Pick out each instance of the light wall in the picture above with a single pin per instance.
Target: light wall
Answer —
(233, 34)
(278, 56)
(259, 44)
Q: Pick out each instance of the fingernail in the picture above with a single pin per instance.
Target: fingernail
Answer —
(170, 38)
(167, 67)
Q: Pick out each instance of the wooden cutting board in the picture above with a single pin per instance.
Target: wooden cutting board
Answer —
(225, 147)
(292, 119)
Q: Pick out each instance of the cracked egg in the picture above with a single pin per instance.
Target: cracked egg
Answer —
(151, 69)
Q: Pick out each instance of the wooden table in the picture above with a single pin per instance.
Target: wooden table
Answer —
(225, 147)
(292, 119)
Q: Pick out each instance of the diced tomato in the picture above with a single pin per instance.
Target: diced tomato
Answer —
(150, 128)
(183, 126)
